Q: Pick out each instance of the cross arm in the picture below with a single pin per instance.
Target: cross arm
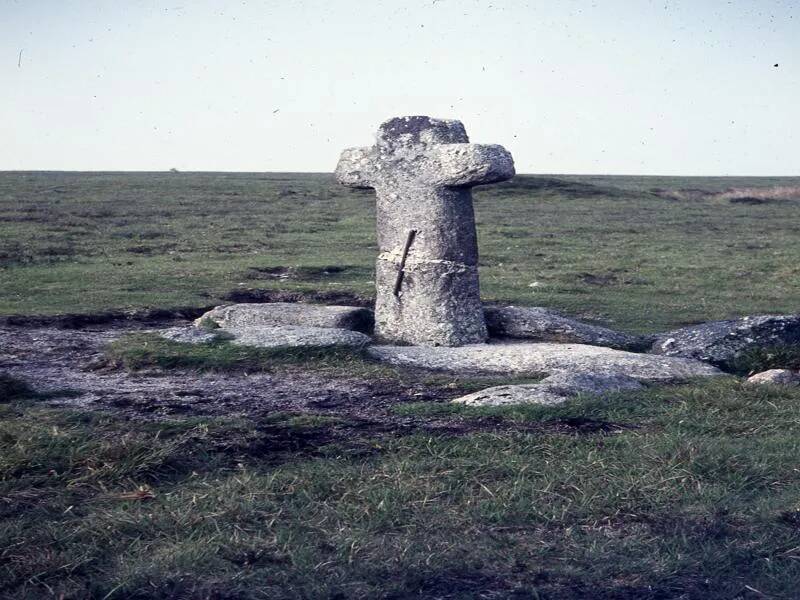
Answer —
(471, 164)
(355, 167)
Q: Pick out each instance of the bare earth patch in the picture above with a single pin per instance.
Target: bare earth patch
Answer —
(55, 360)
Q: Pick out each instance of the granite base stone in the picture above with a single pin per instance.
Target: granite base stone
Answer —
(287, 336)
(276, 314)
(547, 325)
(543, 359)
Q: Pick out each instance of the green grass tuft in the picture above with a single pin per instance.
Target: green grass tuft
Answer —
(141, 351)
(763, 359)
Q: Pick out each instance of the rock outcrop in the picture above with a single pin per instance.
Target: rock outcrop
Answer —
(277, 314)
(262, 336)
(298, 337)
(543, 359)
(547, 325)
(722, 342)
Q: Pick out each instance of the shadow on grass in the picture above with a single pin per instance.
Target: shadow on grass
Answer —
(12, 388)
(15, 389)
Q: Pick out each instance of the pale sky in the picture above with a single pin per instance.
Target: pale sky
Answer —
(605, 86)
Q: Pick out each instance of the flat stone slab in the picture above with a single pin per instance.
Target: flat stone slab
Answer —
(556, 389)
(275, 314)
(546, 325)
(271, 337)
(298, 337)
(543, 358)
(721, 342)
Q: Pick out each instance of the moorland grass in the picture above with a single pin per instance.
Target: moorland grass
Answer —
(697, 497)
(688, 491)
(604, 248)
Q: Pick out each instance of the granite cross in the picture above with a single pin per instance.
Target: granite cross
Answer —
(422, 171)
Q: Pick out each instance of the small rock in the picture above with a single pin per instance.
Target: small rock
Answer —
(721, 342)
(189, 335)
(543, 324)
(503, 395)
(555, 389)
(776, 377)
(298, 337)
(275, 314)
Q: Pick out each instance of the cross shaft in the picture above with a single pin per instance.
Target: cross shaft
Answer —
(422, 171)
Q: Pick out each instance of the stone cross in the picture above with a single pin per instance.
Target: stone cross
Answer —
(422, 170)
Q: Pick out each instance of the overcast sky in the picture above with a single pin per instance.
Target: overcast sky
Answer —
(699, 87)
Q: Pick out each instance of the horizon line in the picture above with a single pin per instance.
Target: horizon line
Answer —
(179, 172)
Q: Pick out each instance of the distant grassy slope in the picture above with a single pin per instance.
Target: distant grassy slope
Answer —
(601, 247)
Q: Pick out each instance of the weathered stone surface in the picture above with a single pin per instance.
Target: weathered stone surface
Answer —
(298, 337)
(543, 358)
(274, 314)
(720, 342)
(544, 324)
(776, 377)
(189, 335)
(264, 336)
(422, 170)
(442, 292)
(503, 395)
(555, 389)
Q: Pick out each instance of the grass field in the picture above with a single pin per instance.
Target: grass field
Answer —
(606, 248)
(688, 491)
